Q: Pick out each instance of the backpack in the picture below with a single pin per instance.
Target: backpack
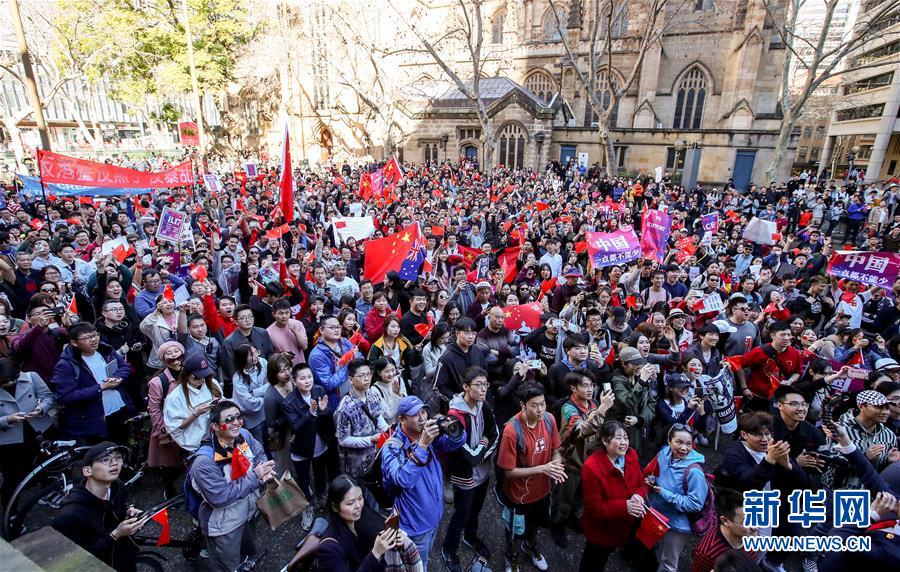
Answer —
(704, 519)
(520, 448)
(373, 477)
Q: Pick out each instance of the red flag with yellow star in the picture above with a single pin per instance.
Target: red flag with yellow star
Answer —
(468, 255)
(386, 254)
(524, 314)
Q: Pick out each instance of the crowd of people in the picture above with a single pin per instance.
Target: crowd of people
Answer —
(260, 347)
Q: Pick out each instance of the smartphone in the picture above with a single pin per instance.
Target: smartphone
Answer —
(607, 387)
(392, 522)
(535, 364)
(558, 323)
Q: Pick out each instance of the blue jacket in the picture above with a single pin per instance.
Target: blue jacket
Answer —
(671, 500)
(324, 364)
(145, 301)
(420, 497)
(80, 395)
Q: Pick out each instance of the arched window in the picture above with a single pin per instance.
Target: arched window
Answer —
(541, 84)
(512, 146)
(553, 31)
(497, 26)
(431, 152)
(605, 95)
(689, 100)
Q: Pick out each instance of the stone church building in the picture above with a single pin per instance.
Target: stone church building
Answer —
(706, 96)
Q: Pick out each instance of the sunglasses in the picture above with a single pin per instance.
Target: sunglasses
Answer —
(237, 417)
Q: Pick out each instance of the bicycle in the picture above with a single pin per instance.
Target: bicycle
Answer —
(48, 484)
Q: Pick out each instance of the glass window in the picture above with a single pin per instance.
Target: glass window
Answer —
(689, 100)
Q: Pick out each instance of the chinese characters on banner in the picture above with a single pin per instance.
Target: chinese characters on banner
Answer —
(655, 234)
(610, 248)
(872, 268)
(170, 226)
(57, 168)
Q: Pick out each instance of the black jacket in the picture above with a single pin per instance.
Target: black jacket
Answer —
(304, 425)
(740, 471)
(87, 521)
(451, 366)
(473, 453)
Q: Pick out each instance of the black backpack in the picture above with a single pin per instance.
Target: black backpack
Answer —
(499, 473)
(373, 477)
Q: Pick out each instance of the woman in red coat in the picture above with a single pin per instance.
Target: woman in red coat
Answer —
(614, 499)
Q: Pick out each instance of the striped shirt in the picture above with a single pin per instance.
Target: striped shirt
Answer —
(711, 547)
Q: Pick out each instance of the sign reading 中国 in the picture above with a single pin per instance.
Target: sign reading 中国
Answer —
(872, 268)
(610, 248)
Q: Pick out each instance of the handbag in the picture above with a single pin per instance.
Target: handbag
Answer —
(281, 501)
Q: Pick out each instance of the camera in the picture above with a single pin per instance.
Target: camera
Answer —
(448, 426)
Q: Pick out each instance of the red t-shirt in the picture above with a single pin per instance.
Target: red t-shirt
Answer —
(765, 374)
(539, 449)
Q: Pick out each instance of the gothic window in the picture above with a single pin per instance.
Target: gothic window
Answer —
(512, 146)
(497, 27)
(620, 20)
(605, 95)
(430, 152)
(541, 84)
(689, 100)
(553, 31)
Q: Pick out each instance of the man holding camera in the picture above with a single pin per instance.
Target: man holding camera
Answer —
(410, 467)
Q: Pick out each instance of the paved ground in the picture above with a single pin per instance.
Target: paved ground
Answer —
(280, 543)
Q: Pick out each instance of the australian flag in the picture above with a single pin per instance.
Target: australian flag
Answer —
(409, 270)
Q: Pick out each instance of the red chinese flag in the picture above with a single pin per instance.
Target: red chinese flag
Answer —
(37, 224)
(437, 231)
(85, 201)
(423, 329)
(347, 357)
(581, 246)
(653, 526)
(122, 252)
(469, 255)
(240, 464)
(356, 338)
(73, 306)
(529, 314)
(507, 261)
(162, 517)
(541, 206)
(546, 286)
(168, 293)
(199, 273)
(611, 357)
(287, 180)
(630, 302)
(386, 254)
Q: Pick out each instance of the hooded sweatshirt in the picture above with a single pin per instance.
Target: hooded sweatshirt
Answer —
(470, 465)
(87, 521)
(672, 500)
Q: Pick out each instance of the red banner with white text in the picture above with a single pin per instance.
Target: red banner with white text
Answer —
(57, 168)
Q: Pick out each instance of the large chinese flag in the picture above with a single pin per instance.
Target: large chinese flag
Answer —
(528, 314)
(287, 180)
(386, 254)
(469, 255)
(392, 173)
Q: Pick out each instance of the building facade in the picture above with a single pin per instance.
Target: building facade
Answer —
(864, 131)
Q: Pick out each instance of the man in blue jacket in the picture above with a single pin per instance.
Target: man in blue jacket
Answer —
(410, 466)
(89, 382)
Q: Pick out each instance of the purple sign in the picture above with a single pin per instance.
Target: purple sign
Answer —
(872, 268)
(610, 248)
(710, 222)
(655, 234)
(170, 225)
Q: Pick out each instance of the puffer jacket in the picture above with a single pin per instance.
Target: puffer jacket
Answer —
(227, 504)
(672, 500)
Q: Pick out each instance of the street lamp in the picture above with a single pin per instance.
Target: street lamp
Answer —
(679, 147)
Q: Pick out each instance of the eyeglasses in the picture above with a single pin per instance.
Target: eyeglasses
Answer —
(110, 460)
(798, 404)
(231, 419)
(89, 337)
(479, 385)
(245, 318)
(50, 290)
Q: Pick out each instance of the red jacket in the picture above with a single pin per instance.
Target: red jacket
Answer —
(606, 490)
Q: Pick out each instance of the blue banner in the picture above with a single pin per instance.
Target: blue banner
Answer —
(31, 186)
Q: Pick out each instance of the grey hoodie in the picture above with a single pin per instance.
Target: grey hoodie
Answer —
(479, 424)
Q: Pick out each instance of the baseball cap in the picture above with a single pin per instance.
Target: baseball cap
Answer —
(885, 364)
(870, 397)
(618, 314)
(483, 285)
(632, 356)
(678, 380)
(409, 405)
(198, 366)
(106, 447)
(677, 313)
(573, 271)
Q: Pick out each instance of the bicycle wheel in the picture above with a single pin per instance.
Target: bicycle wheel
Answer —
(148, 562)
(35, 501)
